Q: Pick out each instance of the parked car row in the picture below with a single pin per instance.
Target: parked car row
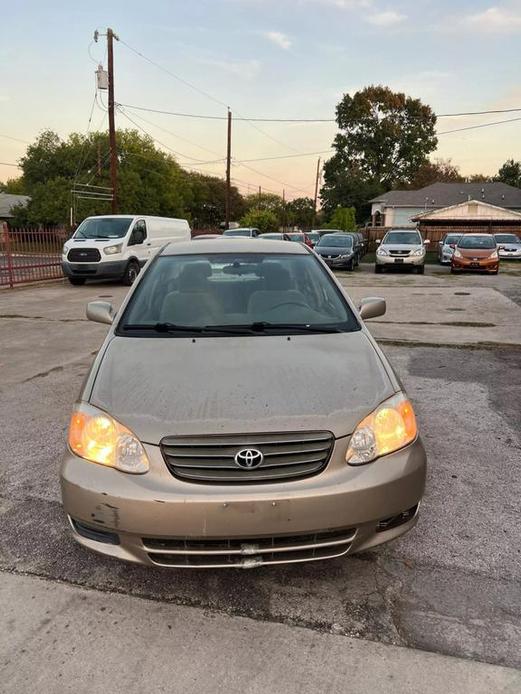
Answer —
(508, 246)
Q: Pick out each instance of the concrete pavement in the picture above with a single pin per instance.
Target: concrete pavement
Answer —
(58, 638)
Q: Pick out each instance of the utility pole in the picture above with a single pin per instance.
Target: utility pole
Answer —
(228, 168)
(112, 126)
(260, 193)
(283, 211)
(316, 192)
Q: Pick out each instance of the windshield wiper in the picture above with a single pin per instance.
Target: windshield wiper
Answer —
(261, 326)
(176, 328)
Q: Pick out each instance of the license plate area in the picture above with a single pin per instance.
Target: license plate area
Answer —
(398, 260)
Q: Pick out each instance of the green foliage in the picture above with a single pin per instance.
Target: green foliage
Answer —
(208, 200)
(150, 181)
(510, 173)
(439, 171)
(300, 213)
(264, 220)
(384, 138)
(15, 186)
(343, 218)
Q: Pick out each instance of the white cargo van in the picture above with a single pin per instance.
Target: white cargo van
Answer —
(117, 246)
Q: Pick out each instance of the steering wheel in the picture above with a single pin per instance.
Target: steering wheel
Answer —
(290, 303)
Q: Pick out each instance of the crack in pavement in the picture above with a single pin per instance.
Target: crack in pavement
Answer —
(19, 316)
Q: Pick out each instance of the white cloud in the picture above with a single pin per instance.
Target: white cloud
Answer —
(278, 38)
(247, 69)
(495, 19)
(386, 18)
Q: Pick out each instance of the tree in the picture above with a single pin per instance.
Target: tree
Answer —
(208, 197)
(264, 220)
(384, 138)
(438, 171)
(343, 218)
(510, 173)
(300, 212)
(16, 186)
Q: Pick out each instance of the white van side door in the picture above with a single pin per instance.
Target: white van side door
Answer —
(139, 243)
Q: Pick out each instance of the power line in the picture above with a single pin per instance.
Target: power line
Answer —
(179, 154)
(15, 139)
(179, 137)
(302, 120)
(482, 125)
(5, 163)
(204, 93)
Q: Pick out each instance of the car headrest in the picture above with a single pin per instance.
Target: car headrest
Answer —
(276, 277)
(194, 275)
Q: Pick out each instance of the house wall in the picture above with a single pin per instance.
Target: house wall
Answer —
(401, 216)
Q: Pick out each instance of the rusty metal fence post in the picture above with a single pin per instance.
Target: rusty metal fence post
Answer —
(8, 256)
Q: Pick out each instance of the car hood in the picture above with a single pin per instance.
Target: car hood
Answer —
(476, 252)
(506, 244)
(171, 386)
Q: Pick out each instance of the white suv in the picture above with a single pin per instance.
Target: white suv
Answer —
(401, 247)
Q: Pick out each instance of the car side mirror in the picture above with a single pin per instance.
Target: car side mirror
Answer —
(372, 307)
(378, 241)
(426, 242)
(100, 312)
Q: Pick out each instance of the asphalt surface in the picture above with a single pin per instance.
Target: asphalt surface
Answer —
(451, 586)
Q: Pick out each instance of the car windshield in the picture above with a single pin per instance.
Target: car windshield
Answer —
(237, 232)
(333, 241)
(236, 293)
(297, 236)
(272, 236)
(452, 239)
(102, 228)
(470, 241)
(405, 237)
(314, 236)
(507, 238)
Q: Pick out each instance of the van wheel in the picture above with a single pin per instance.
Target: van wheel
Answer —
(131, 273)
(77, 281)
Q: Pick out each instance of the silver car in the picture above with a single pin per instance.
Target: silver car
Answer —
(239, 413)
(401, 248)
(446, 248)
(508, 246)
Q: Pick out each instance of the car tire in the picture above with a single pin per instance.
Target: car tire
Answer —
(131, 273)
(420, 270)
(496, 271)
(452, 270)
(351, 265)
(77, 281)
(378, 269)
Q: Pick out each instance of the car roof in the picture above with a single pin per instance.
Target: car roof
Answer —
(233, 245)
(478, 233)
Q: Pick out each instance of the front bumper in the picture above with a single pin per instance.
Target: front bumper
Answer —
(161, 521)
(338, 262)
(107, 270)
(510, 255)
(484, 264)
(408, 260)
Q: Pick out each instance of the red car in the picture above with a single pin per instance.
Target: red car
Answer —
(301, 237)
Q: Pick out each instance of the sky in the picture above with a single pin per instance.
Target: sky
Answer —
(262, 58)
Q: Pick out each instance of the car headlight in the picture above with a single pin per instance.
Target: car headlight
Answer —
(65, 249)
(97, 437)
(457, 254)
(390, 427)
(381, 251)
(419, 251)
(494, 255)
(110, 250)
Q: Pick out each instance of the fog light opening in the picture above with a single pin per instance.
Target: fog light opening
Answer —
(395, 521)
(95, 534)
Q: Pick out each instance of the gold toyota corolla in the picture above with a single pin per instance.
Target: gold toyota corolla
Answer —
(239, 413)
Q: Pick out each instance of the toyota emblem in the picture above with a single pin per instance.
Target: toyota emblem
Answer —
(249, 458)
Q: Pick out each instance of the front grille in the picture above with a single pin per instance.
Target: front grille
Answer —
(84, 255)
(399, 254)
(212, 458)
(249, 552)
